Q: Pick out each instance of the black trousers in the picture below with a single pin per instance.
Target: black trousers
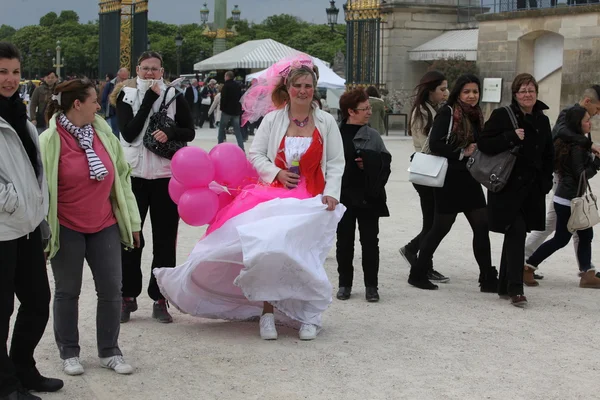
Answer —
(513, 253)
(442, 224)
(205, 117)
(427, 198)
(368, 227)
(22, 273)
(154, 195)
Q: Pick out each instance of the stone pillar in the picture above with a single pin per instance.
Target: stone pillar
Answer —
(220, 27)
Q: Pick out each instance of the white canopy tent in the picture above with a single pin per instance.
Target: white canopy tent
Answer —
(327, 78)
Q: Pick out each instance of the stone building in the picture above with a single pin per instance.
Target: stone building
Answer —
(560, 46)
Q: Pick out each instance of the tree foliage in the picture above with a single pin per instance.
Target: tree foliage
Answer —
(80, 42)
(454, 67)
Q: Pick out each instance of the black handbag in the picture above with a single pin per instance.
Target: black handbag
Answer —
(161, 121)
(493, 171)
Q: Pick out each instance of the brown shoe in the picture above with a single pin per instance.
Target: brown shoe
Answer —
(589, 280)
(528, 278)
(518, 301)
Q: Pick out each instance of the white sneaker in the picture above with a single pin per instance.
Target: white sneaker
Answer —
(267, 327)
(72, 366)
(308, 332)
(117, 363)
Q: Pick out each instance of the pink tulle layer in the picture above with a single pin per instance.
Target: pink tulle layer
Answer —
(253, 195)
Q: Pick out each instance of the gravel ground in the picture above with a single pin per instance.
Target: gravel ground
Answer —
(454, 343)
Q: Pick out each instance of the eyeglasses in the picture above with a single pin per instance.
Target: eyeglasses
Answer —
(363, 109)
(148, 69)
(522, 92)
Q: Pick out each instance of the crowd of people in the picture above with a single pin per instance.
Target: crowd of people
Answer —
(561, 159)
(81, 191)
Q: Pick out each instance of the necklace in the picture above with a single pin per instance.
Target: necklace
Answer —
(301, 124)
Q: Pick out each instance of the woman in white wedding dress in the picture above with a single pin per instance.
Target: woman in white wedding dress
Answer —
(264, 253)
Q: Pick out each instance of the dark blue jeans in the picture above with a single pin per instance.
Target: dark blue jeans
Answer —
(112, 121)
(562, 237)
(235, 121)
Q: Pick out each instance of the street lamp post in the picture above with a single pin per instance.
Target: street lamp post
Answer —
(57, 60)
(219, 33)
(178, 43)
(332, 17)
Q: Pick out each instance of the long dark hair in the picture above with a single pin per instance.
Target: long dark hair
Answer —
(458, 87)
(573, 119)
(428, 83)
(76, 89)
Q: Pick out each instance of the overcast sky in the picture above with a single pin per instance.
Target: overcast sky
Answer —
(18, 13)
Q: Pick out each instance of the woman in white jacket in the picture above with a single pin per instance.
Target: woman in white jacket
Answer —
(264, 253)
(216, 106)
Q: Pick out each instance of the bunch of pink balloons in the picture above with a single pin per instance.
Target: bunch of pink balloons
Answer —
(194, 170)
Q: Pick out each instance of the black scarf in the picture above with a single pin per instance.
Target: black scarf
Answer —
(13, 111)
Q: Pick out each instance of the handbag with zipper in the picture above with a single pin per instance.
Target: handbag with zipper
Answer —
(493, 171)
(428, 169)
(584, 209)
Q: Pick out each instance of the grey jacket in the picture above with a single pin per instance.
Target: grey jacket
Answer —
(23, 195)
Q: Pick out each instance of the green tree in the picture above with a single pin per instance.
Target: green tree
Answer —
(48, 19)
(6, 32)
(68, 16)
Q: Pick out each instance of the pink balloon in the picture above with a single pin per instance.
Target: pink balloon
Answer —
(224, 200)
(198, 206)
(193, 167)
(252, 173)
(176, 190)
(229, 162)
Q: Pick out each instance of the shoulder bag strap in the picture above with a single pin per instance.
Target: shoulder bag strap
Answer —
(166, 105)
(512, 117)
(582, 179)
(450, 124)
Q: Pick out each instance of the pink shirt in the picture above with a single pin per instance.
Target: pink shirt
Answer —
(83, 203)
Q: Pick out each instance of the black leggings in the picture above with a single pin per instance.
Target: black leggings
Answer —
(427, 198)
(442, 223)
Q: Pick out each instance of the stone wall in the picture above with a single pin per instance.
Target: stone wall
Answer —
(505, 49)
(409, 24)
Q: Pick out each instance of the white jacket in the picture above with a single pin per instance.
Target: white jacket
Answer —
(269, 135)
(144, 163)
(23, 195)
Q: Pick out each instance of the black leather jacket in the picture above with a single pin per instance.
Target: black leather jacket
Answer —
(580, 159)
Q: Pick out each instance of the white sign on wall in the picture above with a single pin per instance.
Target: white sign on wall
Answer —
(492, 90)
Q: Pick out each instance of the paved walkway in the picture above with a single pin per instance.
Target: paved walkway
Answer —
(454, 343)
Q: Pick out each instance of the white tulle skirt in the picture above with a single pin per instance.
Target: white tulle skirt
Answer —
(273, 252)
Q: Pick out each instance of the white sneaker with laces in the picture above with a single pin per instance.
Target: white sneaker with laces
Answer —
(116, 363)
(308, 332)
(72, 366)
(267, 327)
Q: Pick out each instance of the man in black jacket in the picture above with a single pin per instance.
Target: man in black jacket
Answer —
(591, 102)
(192, 97)
(231, 108)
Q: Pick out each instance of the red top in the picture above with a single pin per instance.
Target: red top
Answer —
(310, 164)
(83, 203)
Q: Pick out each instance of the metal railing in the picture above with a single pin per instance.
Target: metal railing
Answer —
(467, 10)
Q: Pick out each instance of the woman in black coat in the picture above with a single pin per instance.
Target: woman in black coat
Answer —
(363, 193)
(573, 158)
(455, 128)
(520, 207)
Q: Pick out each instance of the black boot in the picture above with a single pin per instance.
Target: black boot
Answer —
(38, 383)
(20, 394)
(418, 278)
(488, 280)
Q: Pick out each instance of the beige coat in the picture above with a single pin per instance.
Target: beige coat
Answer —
(418, 128)
(377, 120)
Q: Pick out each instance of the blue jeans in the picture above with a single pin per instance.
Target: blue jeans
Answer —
(112, 121)
(235, 121)
(562, 237)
